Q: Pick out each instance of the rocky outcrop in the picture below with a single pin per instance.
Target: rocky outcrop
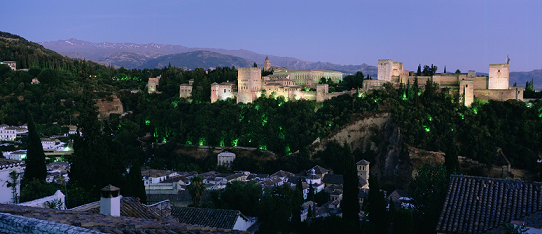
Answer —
(394, 162)
(109, 105)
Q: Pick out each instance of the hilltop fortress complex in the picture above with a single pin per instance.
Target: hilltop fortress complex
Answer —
(291, 84)
(469, 85)
(304, 84)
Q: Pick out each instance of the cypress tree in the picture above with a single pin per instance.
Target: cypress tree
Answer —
(349, 203)
(35, 158)
(419, 72)
(377, 206)
(451, 160)
(134, 183)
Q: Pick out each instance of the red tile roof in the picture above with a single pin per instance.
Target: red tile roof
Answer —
(477, 204)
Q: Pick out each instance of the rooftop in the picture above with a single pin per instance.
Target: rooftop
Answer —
(100, 223)
(478, 204)
(206, 217)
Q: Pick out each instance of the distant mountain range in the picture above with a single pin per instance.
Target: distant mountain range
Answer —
(130, 55)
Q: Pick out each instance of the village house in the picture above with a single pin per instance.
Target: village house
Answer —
(10, 178)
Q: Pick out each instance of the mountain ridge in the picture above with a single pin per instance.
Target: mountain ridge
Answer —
(99, 52)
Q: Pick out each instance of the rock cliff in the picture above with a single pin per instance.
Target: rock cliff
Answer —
(379, 138)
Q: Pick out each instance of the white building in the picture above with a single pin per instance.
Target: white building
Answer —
(225, 158)
(15, 155)
(7, 133)
(7, 193)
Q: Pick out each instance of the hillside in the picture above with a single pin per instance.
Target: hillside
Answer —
(195, 59)
(520, 78)
(124, 59)
(101, 52)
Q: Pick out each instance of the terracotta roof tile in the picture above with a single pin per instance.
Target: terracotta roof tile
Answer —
(477, 204)
(129, 207)
(333, 179)
(217, 218)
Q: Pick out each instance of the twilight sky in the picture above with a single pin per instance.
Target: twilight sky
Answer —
(462, 34)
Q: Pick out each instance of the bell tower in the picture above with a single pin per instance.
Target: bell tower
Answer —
(363, 171)
(266, 64)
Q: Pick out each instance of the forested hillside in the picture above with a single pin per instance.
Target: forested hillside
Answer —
(429, 119)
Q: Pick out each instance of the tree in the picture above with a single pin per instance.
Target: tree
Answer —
(457, 71)
(377, 206)
(429, 189)
(419, 72)
(134, 186)
(451, 160)
(403, 221)
(255, 65)
(97, 159)
(35, 158)
(310, 195)
(239, 196)
(196, 189)
(349, 203)
(13, 183)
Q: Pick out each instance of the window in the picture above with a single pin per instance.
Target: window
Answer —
(224, 90)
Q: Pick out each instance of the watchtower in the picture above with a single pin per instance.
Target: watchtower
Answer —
(249, 81)
(363, 172)
(498, 76)
(385, 69)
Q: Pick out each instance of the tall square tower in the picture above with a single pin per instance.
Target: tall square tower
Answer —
(249, 80)
(385, 69)
(498, 76)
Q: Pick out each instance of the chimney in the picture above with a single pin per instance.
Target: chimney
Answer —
(110, 201)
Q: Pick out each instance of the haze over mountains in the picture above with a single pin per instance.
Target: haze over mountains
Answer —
(131, 55)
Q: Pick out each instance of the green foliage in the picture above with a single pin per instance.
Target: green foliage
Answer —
(239, 196)
(36, 189)
(35, 158)
(353, 81)
(98, 159)
(429, 189)
(196, 189)
(278, 206)
(376, 206)
(134, 186)
(349, 203)
(12, 183)
(403, 221)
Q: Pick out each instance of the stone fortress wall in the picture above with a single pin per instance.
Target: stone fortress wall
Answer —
(495, 86)
(283, 82)
(291, 83)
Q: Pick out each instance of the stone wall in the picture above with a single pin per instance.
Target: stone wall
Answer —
(19, 224)
(500, 94)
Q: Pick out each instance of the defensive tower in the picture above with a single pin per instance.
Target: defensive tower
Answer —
(385, 69)
(249, 84)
